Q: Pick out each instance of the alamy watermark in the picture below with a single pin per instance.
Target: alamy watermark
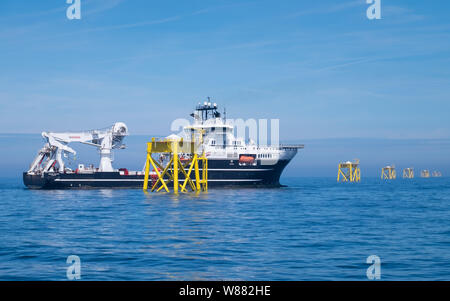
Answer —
(74, 10)
(256, 131)
(73, 271)
(374, 10)
(261, 137)
(235, 133)
(374, 271)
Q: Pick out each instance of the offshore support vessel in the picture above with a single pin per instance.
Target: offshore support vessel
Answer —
(231, 161)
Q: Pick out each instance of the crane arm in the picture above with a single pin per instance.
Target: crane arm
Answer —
(57, 145)
(53, 141)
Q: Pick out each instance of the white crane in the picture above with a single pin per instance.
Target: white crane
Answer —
(57, 147)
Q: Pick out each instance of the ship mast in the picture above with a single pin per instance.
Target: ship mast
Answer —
(207, 110)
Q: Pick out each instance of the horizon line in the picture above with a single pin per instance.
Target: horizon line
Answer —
(319, 138)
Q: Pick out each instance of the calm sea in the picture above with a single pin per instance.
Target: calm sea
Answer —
(314, 229)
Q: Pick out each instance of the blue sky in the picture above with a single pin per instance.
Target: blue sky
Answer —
(321, 67)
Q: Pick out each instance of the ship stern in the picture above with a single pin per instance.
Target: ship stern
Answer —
(33, 181)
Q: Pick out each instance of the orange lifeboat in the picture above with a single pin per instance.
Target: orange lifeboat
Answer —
(184, 159)
(246, 159)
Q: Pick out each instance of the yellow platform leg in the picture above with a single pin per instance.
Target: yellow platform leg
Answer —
(175, 167)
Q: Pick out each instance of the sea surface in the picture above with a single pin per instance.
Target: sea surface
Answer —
(313, 229)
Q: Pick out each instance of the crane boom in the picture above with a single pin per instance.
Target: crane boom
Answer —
(57, 146)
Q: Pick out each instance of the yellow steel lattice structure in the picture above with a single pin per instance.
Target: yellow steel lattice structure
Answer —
(388, 173)
(436, 174)
(349, 171)
(408, 173)
(425, 173)
(170, 173)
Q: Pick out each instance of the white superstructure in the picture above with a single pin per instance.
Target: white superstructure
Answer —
(219, 141)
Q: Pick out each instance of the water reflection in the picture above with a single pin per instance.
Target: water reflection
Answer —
(107, 193)
(58, 195)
